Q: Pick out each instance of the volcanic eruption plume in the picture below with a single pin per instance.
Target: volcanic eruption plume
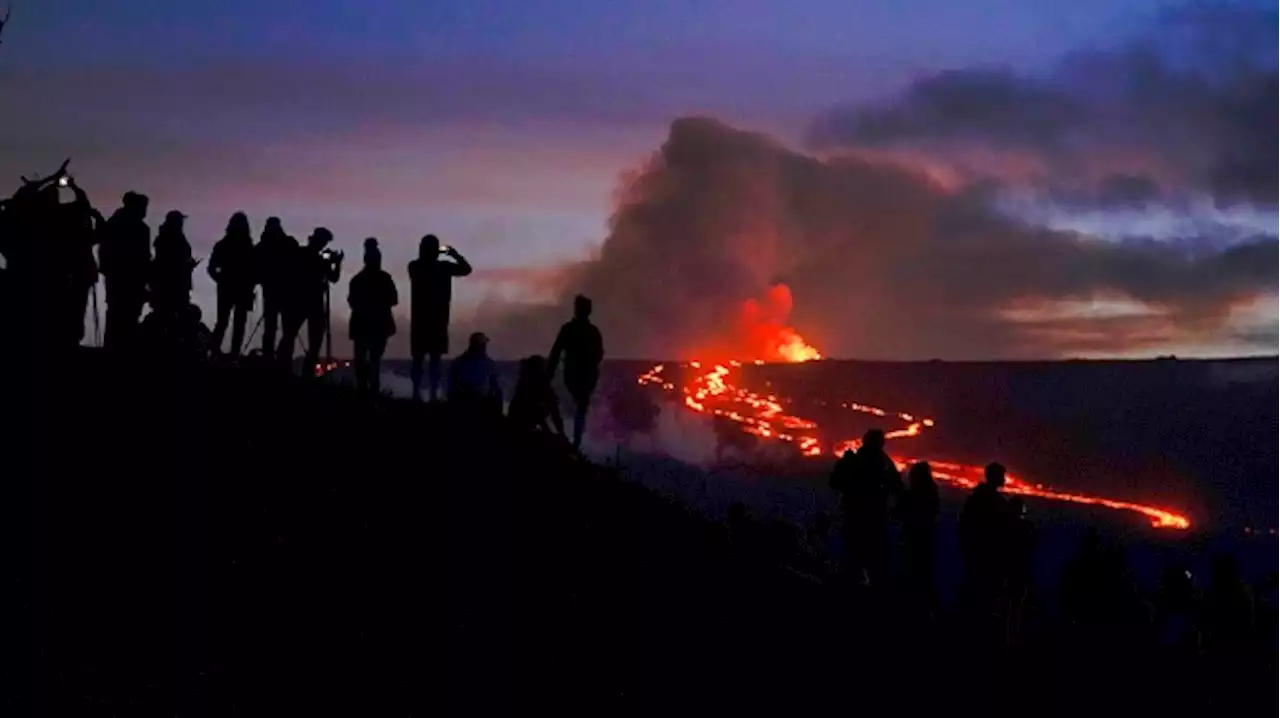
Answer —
(766, 332)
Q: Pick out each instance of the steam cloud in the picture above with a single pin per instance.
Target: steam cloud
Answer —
(886, 256)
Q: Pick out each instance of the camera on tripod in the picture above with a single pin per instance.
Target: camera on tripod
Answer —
(332, 256)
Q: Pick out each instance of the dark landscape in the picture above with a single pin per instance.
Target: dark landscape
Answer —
(220, 540)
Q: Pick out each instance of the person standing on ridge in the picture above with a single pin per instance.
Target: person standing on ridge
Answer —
(231, 267)
(582, 346)
(171, 270)
(124, 257)
(371, 296)
(273, 254)
(866, 481)
(431, 291)
(311, 271)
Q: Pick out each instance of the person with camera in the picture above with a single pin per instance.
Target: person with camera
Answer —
(312, 270)
(431, 291)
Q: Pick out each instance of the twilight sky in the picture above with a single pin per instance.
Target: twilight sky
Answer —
(959, 180)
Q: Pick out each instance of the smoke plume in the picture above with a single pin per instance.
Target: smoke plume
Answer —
(881, 260)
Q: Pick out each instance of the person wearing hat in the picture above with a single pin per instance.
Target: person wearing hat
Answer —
(124, 257)
(372, 297)
(171, 268)
(314, 269)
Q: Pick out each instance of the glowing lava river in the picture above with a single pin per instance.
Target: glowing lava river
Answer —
(712, 390)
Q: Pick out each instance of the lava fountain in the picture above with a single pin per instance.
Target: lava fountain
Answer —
(715, 388)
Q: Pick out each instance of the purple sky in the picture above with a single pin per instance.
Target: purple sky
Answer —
(501, 126)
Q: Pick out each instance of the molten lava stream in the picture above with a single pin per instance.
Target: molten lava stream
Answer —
(710, 391)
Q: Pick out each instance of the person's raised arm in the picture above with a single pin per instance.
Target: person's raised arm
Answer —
(553, 359)
(553, 405)
(597, 346)
(461, 266)
(215, 261)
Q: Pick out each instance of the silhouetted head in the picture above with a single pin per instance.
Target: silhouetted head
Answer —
(1090, 541)
(533, 369)
(321, 237)
(429, 247)
(995, 474)
(135, 203)
(1223, 570)
(273, 226)
(478, 343)
(581, 307)
(873, 440)
(920, 475)
(372, 255)
(173, 221)
(238, 225)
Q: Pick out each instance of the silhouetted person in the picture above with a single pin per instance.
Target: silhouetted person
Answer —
(1177, 619)
(1021, 563)
(866, 481)
(534, 402)
(918, 512)
(76, 234)
(197, 340)
(124, 256)
(171, 269)
(473, 378)
(582, 347)
(1100, 602)
(232, 268)
(431, 291)
(1229, 610)
(371, 296)
(314, 269)
(984, 532)
(274, 257)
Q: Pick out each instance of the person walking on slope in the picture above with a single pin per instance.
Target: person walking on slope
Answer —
(371, 296)
(231, 267)
(431, 291)
(582, 346)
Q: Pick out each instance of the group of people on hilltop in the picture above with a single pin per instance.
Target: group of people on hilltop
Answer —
(49, 251)
(473, 378)
(995, 538)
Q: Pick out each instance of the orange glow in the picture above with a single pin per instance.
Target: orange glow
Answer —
(764, 326)
(713, 391)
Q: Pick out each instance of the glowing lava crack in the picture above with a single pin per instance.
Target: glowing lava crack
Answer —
(712, 391)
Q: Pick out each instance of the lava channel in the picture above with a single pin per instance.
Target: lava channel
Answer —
(711, 390)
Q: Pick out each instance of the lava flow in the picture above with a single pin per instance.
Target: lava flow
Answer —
(712, 391)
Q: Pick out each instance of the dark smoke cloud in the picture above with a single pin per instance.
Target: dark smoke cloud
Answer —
(1191, 106)
(883, 261)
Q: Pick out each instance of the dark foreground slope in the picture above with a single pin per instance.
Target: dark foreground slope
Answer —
(215, 541)
(210, 540)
